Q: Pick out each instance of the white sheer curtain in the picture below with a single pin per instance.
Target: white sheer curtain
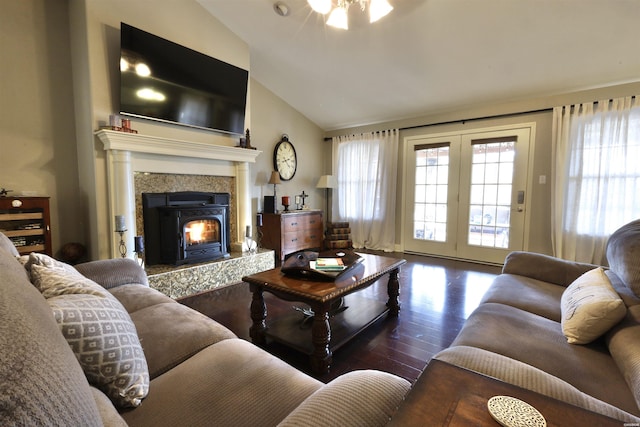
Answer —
(596, 175)
(366, 167)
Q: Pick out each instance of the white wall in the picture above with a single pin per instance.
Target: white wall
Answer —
(271, 118)
(37, 137)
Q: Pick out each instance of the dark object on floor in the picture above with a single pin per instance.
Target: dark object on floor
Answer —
(73, 252)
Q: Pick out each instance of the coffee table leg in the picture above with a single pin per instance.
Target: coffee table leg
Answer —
(320, 336)
(393, 289)
(258, 315)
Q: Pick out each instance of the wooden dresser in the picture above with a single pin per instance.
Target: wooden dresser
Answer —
(25, 220)
(287, 232)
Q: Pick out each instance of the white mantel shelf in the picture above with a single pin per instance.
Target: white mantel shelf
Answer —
(135, 142)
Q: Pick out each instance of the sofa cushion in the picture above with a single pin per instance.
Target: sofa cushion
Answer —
(137, 297)
(525, 293)
(108, 413)
(231, 383)
(171, 332)
(623, 254)
(41, 382)
(590, 307)
(111, 273)
(97, 328)
(624, 344)
(359, 398)
(539, 342)
(544, 267)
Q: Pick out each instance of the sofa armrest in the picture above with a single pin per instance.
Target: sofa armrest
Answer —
(544, 267)
(358, 398)
(111, 273)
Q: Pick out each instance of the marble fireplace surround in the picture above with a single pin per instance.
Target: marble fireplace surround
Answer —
(128, 153)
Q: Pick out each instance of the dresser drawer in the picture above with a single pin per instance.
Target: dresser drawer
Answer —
(296, 240)
(289, 232)
(294, 223)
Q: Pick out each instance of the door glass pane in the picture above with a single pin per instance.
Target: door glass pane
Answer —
(430, 204)
(491, 189)
(202, 231)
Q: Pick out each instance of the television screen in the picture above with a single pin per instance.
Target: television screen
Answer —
(165, 81)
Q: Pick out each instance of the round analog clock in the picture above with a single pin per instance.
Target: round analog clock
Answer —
(284, 159)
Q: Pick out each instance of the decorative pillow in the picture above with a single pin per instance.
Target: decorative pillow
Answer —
(98, 329)
(56, 281)
(104, 340)
(590, 307)
(44, 260)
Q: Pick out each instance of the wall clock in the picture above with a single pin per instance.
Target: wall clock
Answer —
(284, 159)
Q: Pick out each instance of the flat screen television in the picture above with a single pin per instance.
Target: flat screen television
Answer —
(162, 80)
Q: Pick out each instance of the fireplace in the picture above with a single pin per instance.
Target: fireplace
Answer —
(185, 227)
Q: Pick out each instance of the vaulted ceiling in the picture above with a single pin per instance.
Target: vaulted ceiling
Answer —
(429, 56)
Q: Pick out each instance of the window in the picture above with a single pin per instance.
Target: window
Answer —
(596, 176)
(431, 190)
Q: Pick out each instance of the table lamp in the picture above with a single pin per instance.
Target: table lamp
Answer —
(327, 182)
(270, 202)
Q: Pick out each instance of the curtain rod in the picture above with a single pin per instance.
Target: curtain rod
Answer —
(495, 116)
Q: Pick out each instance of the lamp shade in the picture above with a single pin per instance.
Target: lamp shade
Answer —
(275, 178)
(327, 181)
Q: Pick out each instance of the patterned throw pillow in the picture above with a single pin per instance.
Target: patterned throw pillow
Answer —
(99, 331)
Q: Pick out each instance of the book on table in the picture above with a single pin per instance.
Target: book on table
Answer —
(328, 264)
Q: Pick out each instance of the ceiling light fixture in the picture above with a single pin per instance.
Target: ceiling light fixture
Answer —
(338, 16)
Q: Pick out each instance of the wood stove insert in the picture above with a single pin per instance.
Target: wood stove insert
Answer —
(186, 227)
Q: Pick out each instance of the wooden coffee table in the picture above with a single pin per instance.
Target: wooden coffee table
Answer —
(447, 395)
(327, 331)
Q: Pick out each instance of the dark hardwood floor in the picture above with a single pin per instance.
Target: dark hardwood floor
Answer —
(436, 296)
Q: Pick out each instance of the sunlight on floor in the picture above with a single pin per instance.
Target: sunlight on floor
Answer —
(431, 288)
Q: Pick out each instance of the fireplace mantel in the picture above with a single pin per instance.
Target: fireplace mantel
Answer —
(129, 152)
(134, 142)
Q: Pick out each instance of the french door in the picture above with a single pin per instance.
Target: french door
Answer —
(466, 193)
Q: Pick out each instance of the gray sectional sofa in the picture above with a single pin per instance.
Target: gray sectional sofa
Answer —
(151, 360)
(516, 334)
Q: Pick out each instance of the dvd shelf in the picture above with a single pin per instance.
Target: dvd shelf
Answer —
(25, 221)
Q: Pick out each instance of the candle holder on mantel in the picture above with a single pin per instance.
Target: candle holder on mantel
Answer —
(259, 234)
(121, 229)
(285, 203)
(138, 250)
(249, 245)
(122, 246)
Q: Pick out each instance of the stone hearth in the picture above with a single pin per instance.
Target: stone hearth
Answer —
(178, 282)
